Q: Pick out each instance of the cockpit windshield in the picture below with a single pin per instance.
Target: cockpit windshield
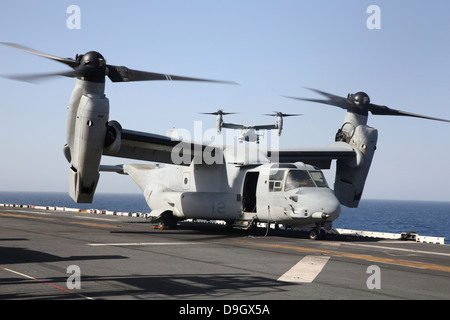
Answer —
(304, 179)
(319, 179)
(294, 178)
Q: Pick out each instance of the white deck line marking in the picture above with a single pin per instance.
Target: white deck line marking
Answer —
(47, 283)
(19, 273)
(141, 244)
(306, 270)
(36, 212)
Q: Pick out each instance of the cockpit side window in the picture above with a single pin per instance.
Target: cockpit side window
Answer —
(298, 179)
(276, 178)
(319, 179)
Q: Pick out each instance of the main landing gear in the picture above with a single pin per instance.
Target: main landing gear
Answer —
(166, 221)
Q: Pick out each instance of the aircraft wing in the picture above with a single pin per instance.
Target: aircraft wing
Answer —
(232, 126)
(319, 157)
(256, 127)
(265, 127)
(156, 148)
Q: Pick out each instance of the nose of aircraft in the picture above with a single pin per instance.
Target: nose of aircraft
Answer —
(320, 203)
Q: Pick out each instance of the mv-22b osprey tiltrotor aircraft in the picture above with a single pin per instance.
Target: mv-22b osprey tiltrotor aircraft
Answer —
(200, 181)
(250, 133)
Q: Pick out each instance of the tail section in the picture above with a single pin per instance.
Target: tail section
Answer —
(140, 173)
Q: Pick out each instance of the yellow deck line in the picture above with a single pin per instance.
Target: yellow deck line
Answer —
(399, 262)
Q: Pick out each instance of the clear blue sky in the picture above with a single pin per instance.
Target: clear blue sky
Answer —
(272, 48)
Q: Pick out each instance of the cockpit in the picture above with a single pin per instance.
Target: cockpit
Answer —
(290, 179)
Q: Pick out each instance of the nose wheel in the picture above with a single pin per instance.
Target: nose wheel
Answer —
(317, 234)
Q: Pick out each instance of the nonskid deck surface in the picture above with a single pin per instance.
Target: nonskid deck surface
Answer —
(47, 254)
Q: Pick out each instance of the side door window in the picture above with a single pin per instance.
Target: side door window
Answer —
(276, 180)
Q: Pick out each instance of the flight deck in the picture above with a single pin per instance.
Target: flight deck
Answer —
(54, 254)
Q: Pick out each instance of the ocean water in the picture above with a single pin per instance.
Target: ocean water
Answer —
(396, 216)
(427, 218)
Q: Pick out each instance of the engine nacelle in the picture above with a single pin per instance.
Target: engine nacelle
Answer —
(351, 175)
(279, 124)
(87, 148)
(219, 121)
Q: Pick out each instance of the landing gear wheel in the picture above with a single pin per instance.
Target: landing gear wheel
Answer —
(316, 234)
(168, 221)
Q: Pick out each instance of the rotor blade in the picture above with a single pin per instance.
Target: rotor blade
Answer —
(330, 96)
(218, 112)
(332, 100)
(291, 114)
(386, 111)
(349, 105)
(124, 74)
(67, 61)
(43, 76)
(115, 73)
(282, 114)
(341, 104)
